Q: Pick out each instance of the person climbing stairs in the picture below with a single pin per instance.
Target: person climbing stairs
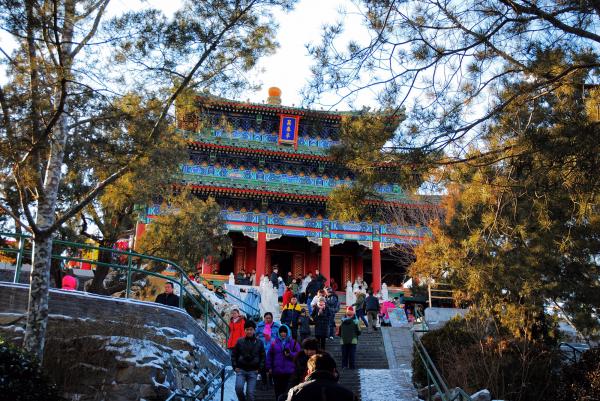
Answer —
(370, 354)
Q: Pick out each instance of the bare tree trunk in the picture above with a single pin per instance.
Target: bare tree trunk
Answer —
(100, 273)
(37, 310)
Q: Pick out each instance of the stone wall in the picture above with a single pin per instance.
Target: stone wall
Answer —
(442, 315)
(109, 348)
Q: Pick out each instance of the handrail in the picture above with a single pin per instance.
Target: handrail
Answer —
(184, 281)
(576, 351)
(256, 311)
(223, 374)
(433, 375)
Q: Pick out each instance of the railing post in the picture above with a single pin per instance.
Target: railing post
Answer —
(19, 261)
(429, 292)
(222, 384)
(128, 289)
(428, 383)
(181, 291)
(206, 314)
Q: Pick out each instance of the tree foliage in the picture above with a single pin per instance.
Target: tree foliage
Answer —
(21, 377)
(187, 231)
(522, 234)
(447, 62)
(472, 353)
(88, 99)
(501, 104)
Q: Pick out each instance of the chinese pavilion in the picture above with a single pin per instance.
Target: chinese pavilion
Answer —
(268, 167)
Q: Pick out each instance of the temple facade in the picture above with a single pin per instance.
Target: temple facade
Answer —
(268, 167)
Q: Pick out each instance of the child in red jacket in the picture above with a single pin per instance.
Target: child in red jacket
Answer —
(236, 328)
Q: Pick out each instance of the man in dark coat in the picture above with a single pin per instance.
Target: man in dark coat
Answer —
(372, 307)
(321, 317)
(275, 276)
(310, 347)
(167, 297)
(321, 383)
(247, 358)
(320, 278)
(312, 289)
(333, 303)
(289, 279)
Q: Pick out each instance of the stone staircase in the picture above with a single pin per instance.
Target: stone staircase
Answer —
(370, 354)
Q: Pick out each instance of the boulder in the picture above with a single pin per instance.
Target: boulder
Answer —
(92, 360)
(422, 393)
(482, 395)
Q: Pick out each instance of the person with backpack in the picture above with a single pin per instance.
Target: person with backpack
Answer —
(349, 332)
(280, 359)
(359, 306)
(290, 315)
(247, 358)
(333, 304)
(372, 308)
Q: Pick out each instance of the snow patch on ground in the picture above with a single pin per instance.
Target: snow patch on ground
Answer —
(387, 384)
(137, 352)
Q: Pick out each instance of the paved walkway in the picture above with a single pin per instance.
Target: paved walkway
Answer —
(394, 383)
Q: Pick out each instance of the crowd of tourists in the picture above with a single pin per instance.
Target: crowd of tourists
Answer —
(287, 355)
(290, 355)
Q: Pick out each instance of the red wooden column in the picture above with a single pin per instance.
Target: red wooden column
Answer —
(205, 266)
(325, 258)
(376, 268)
(358, 269)
(261, 253)
(140, 228)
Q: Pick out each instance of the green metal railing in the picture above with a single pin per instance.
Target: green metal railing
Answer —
(434, 378)
(255, 311)
(207, 392)
(572, 353)
(134, 264)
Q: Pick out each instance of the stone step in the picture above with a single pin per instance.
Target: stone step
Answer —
(370, 354)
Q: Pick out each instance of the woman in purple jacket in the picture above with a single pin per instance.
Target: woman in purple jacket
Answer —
(280, 359)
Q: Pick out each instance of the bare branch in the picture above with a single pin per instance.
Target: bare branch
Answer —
(16, 218)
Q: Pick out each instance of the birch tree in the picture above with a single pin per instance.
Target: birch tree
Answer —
(74, 73)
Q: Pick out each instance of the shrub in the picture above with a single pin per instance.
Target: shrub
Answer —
(581, 380)
(21, 377)
(452, 336)
(473, 355)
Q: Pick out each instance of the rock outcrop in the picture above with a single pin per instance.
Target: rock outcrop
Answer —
(102, 348)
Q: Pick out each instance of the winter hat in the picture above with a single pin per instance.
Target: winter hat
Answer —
(321, 299)
(349, 309)
(283, 329)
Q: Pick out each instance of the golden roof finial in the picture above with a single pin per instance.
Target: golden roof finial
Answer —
(274, 96)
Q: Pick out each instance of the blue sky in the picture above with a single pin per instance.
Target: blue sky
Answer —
(289, 68)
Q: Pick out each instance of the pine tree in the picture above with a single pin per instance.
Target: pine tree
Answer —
(76, 76)
(187, 231)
